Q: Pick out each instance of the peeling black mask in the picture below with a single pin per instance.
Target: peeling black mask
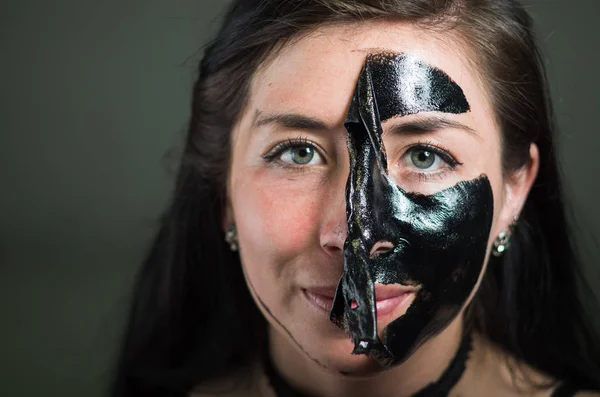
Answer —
(438, 242)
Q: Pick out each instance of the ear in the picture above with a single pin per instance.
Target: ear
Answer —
(517, 185)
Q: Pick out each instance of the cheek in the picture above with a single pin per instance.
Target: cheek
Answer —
(493, 171)
(276, 217)
(499, 202)
(486, 159)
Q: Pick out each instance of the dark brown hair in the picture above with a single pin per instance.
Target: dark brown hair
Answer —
(192, 316)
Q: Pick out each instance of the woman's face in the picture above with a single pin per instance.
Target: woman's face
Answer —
(291, 165)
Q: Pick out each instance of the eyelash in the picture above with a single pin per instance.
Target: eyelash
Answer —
(438, 150)
(292, 143)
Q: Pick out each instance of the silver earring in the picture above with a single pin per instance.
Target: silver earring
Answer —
(502, 241)
(501, 244)
(231, 238)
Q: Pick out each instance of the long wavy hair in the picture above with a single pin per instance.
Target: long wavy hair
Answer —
(192, 317)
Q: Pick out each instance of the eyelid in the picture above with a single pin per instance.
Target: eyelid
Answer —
(439, 150)
(290, 143)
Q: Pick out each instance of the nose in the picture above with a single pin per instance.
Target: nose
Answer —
(334, 229)
(332, 240)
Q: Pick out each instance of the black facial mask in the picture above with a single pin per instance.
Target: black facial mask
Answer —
(439, 241)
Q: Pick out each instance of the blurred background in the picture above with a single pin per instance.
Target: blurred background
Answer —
(94, 102)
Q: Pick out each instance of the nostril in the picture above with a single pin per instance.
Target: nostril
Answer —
(380, 247)
(332, 247)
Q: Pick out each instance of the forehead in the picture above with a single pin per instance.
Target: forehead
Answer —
(316, 75)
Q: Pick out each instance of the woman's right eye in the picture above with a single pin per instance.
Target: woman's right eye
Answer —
(295, 153)
(301, 155)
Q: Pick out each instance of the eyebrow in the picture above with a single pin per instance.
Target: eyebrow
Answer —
(295, 121)
(289, 121)
(429, 124)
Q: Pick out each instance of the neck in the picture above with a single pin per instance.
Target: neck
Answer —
(424, 367)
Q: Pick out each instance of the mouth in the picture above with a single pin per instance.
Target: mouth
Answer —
(390, 298)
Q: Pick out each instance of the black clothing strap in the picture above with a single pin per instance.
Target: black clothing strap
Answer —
(441, 388)
(565, 390)
(453, 373)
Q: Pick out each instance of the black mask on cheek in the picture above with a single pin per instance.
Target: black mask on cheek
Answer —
(439, 241)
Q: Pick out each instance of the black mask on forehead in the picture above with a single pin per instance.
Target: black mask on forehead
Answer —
(439, 241)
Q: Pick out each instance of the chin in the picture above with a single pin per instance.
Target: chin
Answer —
(338, 359)
(360, 369)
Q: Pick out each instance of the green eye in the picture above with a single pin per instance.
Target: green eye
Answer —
(302, 155)
(423, 159)
(428, 160)
(296, 153)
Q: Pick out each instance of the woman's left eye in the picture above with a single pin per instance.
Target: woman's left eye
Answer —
(424, 159)
(428, 159)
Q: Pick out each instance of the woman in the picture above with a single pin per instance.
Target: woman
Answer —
(368, 204)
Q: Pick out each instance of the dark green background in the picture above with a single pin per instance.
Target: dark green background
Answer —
(94, 97)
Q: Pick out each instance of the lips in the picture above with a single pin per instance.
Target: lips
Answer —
(388, 297)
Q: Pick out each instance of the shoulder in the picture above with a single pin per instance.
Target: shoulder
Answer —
(509, 376)
(568, 390)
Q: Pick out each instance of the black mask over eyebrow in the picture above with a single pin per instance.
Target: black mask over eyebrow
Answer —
(439, 241)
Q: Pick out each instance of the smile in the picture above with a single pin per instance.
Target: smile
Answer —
(390, 299)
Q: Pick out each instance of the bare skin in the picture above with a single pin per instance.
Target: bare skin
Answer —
(290, 215)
